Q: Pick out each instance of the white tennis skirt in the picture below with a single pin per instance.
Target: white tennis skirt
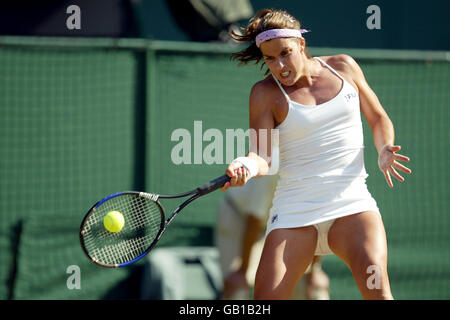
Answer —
(317, 200)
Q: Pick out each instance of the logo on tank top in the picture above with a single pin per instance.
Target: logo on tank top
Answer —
(274, 219)
(350, 96)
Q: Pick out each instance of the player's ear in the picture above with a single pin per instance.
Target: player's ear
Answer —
(301, 44)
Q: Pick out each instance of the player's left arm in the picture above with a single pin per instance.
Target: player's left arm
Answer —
(379, 122)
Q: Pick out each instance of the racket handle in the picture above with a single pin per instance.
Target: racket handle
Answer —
(213, 185)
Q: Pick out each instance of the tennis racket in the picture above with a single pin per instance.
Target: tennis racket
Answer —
(145, 223)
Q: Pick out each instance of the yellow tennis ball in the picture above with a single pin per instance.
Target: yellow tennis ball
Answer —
(113, 221)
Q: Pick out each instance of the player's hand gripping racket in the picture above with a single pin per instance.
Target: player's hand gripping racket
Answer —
(144, 224)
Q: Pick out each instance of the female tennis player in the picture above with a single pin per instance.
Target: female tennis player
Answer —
(321, 203)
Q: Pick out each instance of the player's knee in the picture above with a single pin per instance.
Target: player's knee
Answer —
(266, 293)
(266, 288)
(260, 290)
(259, 294)
(366, 263)
(370, 271)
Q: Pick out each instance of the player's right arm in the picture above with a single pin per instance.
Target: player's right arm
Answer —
(261, 122)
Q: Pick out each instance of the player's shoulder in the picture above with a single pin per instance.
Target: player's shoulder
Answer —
(264, 92)
(264, 86)
(342, 63)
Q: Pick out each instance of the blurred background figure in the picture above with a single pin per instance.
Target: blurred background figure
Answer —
(240, 229)
(210, 20)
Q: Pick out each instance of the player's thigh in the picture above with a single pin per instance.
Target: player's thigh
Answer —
(359, 239)
(285, 257)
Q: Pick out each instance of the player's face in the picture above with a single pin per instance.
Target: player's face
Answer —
(283, 57)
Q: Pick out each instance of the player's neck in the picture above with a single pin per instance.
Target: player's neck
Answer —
(308, 72)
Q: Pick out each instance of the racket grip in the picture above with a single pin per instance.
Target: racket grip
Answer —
(213, 185)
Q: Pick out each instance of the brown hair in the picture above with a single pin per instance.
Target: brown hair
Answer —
(264, 19)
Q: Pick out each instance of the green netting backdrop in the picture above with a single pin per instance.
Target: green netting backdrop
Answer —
(83, 119)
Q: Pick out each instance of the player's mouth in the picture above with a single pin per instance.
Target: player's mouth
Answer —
(285, 74)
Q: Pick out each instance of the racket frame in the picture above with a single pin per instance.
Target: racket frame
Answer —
(196, 193)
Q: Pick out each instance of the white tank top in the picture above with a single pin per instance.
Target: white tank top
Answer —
(322, 173)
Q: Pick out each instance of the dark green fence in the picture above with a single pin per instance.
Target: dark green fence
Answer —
(83, 118)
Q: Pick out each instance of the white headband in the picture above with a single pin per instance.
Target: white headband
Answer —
(278, 33)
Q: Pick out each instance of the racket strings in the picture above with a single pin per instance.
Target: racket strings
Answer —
(143, 220)
(122, 252)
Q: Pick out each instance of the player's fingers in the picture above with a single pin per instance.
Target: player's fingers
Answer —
(246, 174)
(396, 174)
(230, 171)
(401, 167)
(225, 186)
(232, 168)
(234, 178)
(394, 148)
(401, 157)
(388, 179)
(241, 175)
